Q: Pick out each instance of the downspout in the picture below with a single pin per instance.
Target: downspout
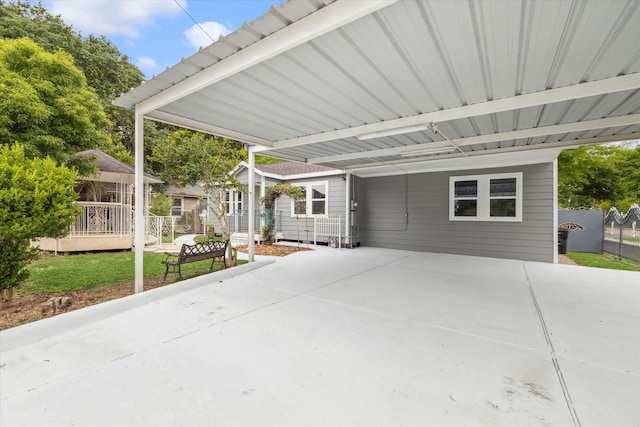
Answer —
(252, 203)
(138, 241)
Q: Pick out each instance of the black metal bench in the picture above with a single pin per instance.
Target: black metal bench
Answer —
(200, 251)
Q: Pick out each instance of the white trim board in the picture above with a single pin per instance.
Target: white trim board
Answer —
(463, 163)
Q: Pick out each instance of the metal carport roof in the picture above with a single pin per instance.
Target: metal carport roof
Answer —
(352, 84)
(365, 85)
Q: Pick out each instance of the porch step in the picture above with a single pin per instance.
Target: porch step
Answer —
(238, 239)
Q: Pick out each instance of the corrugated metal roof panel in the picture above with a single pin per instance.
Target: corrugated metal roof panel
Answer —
(416, 57)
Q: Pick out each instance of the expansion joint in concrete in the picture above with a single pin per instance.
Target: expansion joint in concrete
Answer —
(552, 352)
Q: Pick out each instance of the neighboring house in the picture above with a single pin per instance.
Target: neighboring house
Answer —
(106, 198)
(189, 207)
(325, 196)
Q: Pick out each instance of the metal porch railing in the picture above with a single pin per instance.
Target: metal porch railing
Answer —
(113, 219)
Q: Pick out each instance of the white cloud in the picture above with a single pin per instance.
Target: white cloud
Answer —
(197, 37)
(108, 17)
(148, 65)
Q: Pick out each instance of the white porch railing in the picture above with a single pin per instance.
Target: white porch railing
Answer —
(328, 226)
(113, 219)
(160, 226)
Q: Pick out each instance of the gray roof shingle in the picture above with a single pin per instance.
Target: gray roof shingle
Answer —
(293, 168)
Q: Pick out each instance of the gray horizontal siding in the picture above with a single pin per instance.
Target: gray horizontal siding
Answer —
(301, 228)
(412, 212)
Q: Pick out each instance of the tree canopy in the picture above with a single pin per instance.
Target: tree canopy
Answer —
(599, 176)
(106, 70)
(193, 158)
(46, 104)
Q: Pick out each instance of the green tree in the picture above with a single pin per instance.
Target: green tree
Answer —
(36, 200)
(599, 176)
(587, 177)
(108, 71)
(628, 166)
(161, 204)
(193, 158)
(46, 105)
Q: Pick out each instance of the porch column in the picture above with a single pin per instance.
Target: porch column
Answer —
(252, 203)
(138, 240)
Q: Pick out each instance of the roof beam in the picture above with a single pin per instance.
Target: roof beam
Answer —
(632, 119)
(312, 26)
(545, 146)
(172, 119)
(567, 93)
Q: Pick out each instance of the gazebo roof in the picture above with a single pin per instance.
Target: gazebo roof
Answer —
(111, 169)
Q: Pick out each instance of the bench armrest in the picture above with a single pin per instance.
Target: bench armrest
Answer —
(171, 254)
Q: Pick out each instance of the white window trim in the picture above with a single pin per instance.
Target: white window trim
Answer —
(483, 197)
(236, 199)
(308, 191)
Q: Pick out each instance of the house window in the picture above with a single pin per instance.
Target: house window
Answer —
(315, 201)
(176, 209)
(486, 197)
(233, 202)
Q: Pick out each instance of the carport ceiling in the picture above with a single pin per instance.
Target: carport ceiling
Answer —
(351, 84)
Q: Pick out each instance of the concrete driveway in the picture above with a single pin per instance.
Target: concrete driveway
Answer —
(365, 337)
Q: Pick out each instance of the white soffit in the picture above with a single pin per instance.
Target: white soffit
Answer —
(309, 77)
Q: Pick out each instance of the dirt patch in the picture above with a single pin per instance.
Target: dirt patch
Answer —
(563, 259)
(27, 308)
(273, 250)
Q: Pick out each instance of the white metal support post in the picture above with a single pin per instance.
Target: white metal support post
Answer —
(347, 213)
(555, 211)
(252, 203)
(263, 191)
(138, 240)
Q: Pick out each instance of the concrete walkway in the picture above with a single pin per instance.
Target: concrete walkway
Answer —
(365, 337)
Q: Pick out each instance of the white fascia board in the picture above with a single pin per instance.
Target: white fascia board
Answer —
(324, 20)
(499, 160)
(631, 119)
(257, 171)
(567, 93)
(183, 122)
(239, 167)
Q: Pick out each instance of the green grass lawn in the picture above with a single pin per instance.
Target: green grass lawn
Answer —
(603, 261)
(70, 273)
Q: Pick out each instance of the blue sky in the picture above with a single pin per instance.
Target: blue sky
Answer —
(156, 34)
